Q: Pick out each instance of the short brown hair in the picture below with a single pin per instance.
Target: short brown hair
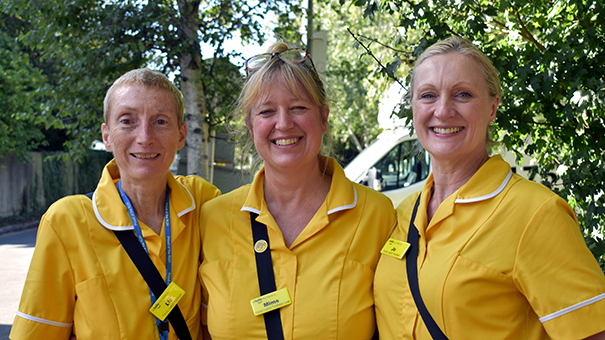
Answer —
(148, 78)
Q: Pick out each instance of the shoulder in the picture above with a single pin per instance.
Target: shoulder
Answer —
(234, 197)
(372, 198)
(67, 214)
(200, 188)
(70, 205)
(531, 195)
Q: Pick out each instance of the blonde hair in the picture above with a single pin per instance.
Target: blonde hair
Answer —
(455, 44)
(461, 45)
(294, 75)
(147, 78)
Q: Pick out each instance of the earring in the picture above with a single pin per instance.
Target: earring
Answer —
(491, 122)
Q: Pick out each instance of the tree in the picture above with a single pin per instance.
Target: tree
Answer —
(18, 82)
(550, 58)
(92, 42)
(354, 81)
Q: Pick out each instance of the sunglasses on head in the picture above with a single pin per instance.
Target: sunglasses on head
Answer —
(295, 55)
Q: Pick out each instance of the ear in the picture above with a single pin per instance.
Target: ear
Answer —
(106, 137)
(325, 113)
(249, 125)
(494, 108)
(182, 136)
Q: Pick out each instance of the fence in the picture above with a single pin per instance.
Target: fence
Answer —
(30, 186)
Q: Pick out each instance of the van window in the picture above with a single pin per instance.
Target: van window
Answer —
(402, 166)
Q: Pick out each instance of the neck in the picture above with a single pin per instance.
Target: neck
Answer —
(148, 201)
(448, 177)
(294, 198)
(288, 186)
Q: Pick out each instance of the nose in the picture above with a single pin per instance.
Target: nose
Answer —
(444, 107)
(284, 120)
(144, 134)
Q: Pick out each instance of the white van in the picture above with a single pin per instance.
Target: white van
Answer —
(393, 165)
(397, 166)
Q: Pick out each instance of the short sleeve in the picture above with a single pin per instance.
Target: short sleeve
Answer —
(558, 275)
(47, 304)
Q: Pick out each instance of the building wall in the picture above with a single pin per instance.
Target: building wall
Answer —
(34, 184)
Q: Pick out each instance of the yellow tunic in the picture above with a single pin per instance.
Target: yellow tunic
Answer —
(502, 258)
(328, 270)
(81, 277)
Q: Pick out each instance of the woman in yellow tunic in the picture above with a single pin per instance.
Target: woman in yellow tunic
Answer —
(498, 256)
(81, 280)
(323, 232)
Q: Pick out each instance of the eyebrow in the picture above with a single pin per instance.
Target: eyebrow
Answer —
(161, 109)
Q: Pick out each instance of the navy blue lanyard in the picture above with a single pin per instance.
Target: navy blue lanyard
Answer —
(162, 325)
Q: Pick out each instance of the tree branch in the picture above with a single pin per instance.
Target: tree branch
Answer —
(373, 56)
(529, 35)
(409, 62)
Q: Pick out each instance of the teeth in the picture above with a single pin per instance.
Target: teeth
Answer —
(146, 156)
(284, 142)
(446, 131)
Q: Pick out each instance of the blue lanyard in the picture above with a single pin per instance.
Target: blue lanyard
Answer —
(162, 325)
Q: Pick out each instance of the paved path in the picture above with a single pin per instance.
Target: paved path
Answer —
(16, 250)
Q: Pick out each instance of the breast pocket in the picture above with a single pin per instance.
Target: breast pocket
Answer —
(94, 314)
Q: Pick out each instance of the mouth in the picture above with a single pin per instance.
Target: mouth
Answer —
(446, 131)
(286, 142)
(145, 155)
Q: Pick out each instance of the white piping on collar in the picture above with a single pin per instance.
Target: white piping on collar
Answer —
(102, 221)
(192, 200)
(250, 209)
(344, 207)
(488, 196)
(131, 227)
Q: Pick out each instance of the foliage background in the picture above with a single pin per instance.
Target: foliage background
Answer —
(57, 59)
(550, 58)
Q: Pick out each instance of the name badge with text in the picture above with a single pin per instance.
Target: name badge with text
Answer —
(395, 248)
(271, 301)
(167, 301)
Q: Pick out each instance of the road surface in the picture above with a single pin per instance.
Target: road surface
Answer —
(16, 250)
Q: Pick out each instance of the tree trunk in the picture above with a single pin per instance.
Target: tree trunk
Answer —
(193, 93)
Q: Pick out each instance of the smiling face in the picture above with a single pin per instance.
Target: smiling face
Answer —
(143, 132)
(452, 107)
(287, 129)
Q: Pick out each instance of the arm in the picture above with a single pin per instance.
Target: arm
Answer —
(47, 302)
(552, 246)
(207, 334)
(598, 336)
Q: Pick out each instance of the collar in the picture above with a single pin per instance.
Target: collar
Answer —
(487, 182)
(112, 213)
(342, 195)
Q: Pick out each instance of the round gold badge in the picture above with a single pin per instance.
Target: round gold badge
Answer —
(260, 246)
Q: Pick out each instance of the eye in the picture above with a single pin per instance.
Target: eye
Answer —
(162, 121)
(426, 96)
(464, 95)
(265, 112)
(125, 121)
(299, 108)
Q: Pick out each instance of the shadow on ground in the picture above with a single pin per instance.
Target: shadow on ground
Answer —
(22, 238)
(5, 331)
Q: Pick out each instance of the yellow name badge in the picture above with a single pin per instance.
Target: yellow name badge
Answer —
(167, 301)
(395, 248)
(271, 301)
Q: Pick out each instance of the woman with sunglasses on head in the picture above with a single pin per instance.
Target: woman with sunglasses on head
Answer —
(493, 255)
(301, 238)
